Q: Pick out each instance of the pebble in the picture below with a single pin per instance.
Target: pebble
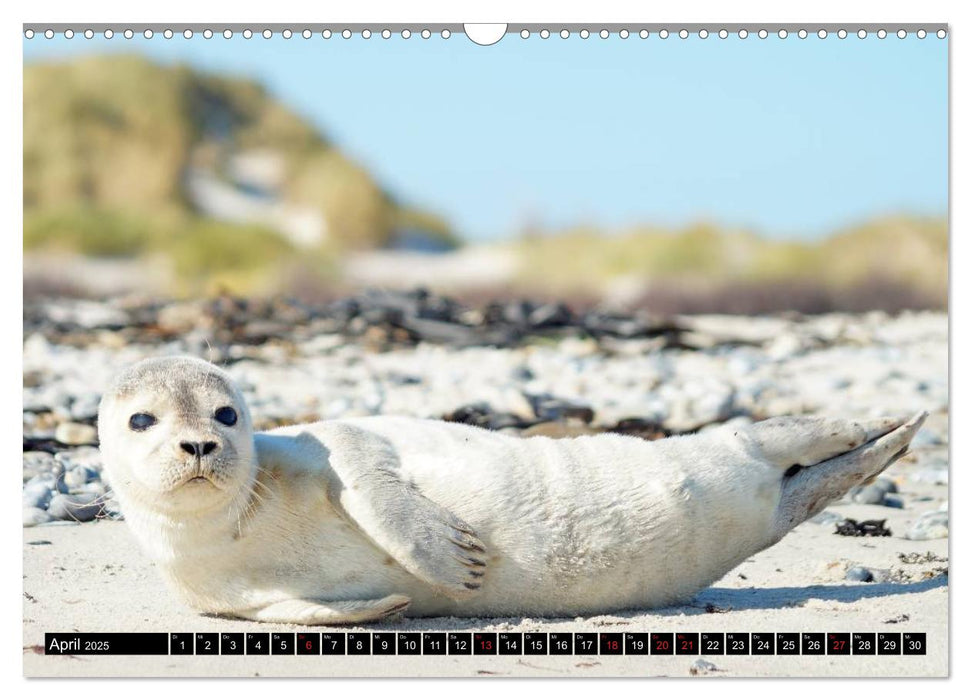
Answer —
(46, 399)
(37, 463)
(180, 318)
(930, 526)
(872, 494)
(482, 414)
(86, 313)
(549, 408)
(859, 573)
(76, 434)
(926, 437)
(702, 667)
(402, 379)
(82, 507)
(880, 575)
(876, 493)
(550, 316)
(936, 476)
(38, 495)
(36, 516)
(92, 487)
(79, 476)
(112, 508)
(522, 373)
(89, 457)
(52, 482)
(85, 407)
(887, 484)
(866, 574)
(785, 346)
(694, 406)
(827, 517)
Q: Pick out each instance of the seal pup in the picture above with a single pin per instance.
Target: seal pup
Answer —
(350, 521)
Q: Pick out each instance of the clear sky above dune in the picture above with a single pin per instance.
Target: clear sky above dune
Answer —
(787, 137)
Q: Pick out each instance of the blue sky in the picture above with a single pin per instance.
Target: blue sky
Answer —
(790, 138)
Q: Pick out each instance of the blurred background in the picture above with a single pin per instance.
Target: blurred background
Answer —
(684, 176)
(558, 238)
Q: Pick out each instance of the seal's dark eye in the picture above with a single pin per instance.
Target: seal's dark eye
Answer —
(141, 421)
(226, 415)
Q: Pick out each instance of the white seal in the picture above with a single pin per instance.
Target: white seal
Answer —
(349, 521)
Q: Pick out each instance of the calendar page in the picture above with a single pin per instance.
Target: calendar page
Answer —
(538, 350)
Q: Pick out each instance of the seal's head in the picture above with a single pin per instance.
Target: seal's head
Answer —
(176, 436)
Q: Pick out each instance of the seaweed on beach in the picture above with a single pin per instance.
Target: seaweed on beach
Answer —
(864, 528)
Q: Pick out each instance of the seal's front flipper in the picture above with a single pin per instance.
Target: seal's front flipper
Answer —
(802, 441)
(365, 487)
(427, 540)
(333, 612)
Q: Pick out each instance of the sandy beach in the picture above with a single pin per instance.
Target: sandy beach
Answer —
(93, 578)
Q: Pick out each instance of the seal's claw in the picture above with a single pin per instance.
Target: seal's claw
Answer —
(467, 541)
(456, 570)
(462, 576)
(469, 561)
(461, 526)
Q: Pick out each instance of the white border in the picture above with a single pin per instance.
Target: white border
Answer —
(699, 11)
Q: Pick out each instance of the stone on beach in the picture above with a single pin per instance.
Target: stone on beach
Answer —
(76, 434)
(37, 495)
(930, 526)
(36, 516)
(80, 507)
(37, 463)
(702, 667)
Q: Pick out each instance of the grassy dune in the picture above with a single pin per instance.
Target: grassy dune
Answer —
(109, 138)
(108, 141)
(900, 256)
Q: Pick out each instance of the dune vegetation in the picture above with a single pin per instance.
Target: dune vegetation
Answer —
(108, 141)
(112, 143)
(902, 256)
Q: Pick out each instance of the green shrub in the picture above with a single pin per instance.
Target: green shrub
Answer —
(203, 247)
(88, 231)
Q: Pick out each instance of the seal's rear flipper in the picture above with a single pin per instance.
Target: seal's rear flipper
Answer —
(807, 491)
(806, 440)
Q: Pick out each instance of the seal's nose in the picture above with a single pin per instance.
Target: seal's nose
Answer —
(198, 449)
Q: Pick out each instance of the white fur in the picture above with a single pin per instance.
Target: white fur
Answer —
(350, 520)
